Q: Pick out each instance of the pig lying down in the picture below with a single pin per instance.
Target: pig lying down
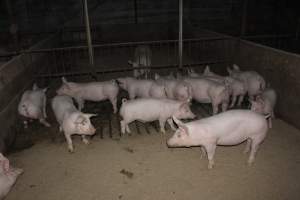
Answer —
(228, 128)
(92, 91)
(33, 105)
(8, 176)
(265, 103)
(71, 120)
(147, 110)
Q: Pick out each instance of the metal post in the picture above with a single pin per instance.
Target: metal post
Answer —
(88, 35)
(180, 36)
(135, 12)
(244, 18)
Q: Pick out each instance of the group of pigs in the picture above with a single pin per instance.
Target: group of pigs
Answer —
(166, 99)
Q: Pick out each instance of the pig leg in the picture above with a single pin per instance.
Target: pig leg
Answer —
(224, 107)
(162, 123)
(80, 103)
(123, 126)
(171, 123)
(70, 143)
(44, 108)
(215, 108)
(44, 122)
(203, 152)
(233, 101)
(254, 148)
(113, 101)
(85, 140)
(270, 122)
(210, 150)
(241, 99)
(248, 146)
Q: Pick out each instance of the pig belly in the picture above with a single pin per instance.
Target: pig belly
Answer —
(232, 138)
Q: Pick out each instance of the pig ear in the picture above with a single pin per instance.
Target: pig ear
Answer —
(156, 76)
(130, 62)
(229, 71)
(180, 125)
(45, 89)
(64, 80)
(206, 70)
(236, 67)
(35, 87)
(80, 119)
(89, 115)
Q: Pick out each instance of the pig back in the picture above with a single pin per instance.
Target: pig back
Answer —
(62, 105)
(235, 126)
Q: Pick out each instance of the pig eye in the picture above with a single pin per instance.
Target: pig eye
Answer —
(178, 135)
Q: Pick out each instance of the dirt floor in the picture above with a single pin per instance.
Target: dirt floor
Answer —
(142, 167)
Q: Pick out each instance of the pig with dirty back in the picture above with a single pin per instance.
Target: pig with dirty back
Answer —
(8, 176)
(265, 103)
(228, 128)
(142, 58)
(92, 91)
(150, 109)
(72, 121)
(236, 87)
(209, 91)
(253, 82)
(33, 105)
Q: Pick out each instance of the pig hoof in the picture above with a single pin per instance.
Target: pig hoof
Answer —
(210, 166)
(71, 150)
(86, 142)
(250, 164)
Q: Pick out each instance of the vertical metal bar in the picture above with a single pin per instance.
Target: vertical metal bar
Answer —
(180, 35)
(135, 12)
(244, 18)
(88, 35)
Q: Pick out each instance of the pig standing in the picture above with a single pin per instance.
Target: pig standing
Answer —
(33, 105)
(265, 103)
(142, 58)
(147, 110)
(8, 176)
(236, 87)
(71, 120)
(142, 88)
(253, 82)
(227, 128)
(176, 89)
(209, 91)
(93, 91)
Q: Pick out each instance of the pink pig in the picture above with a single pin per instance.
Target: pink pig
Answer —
(228, 128)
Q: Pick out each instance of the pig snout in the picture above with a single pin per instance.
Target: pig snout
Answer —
(92, 130)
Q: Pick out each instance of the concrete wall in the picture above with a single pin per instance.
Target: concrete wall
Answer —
(281, 69)
(16, 76)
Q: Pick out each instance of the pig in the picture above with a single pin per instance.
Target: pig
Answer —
(265, 103)
(92, 91)
(142, 58)
(228, 128)
(235, 86)
(71, 121)
(33, 105)
(209, 91)
(176, 89)
(253, 81)
(150, 109)
(8, 176)
(142, 88)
